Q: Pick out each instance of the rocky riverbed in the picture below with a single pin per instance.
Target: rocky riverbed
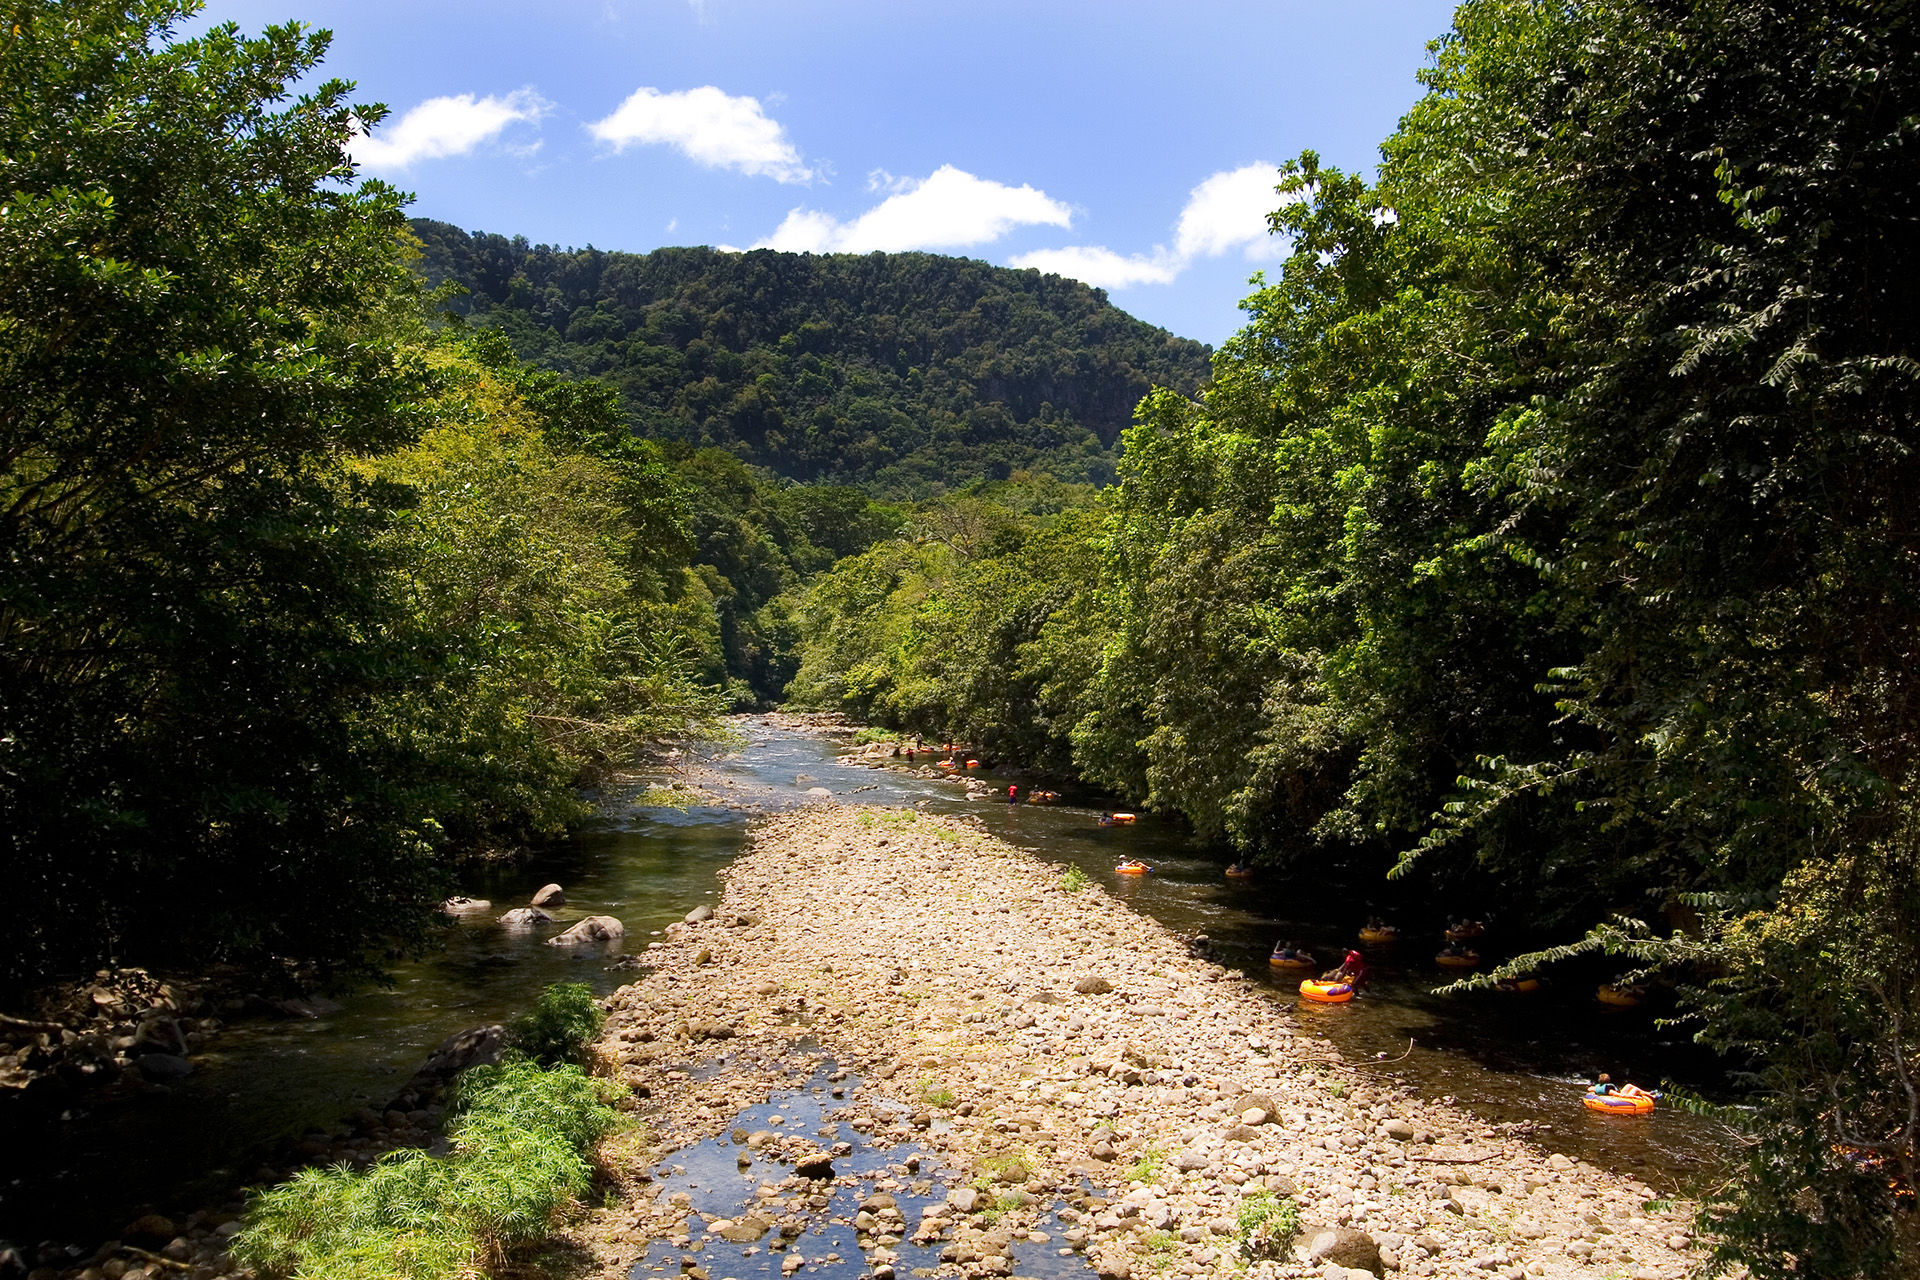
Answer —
(1019, 1070)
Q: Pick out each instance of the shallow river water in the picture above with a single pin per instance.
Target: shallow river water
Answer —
(1505, 1058)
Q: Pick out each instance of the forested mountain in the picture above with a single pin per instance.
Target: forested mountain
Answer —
(901, 372)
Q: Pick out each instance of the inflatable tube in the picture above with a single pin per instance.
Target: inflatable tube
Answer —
(1620, 997)
(973, 764)
(1237, 872)
(1134, 868)
(1298, 960)
(1466, 929)
(1380, 937)
(1617, 1104)
(1121, 817)
(1518, 986)
(1326, 992)
(1467, 960)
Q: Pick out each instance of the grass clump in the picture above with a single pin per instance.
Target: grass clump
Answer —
(1265, 1225)
(562, 1023)
(520, 1136)
(1010, 1168)
(1073, 880)
(937, 1095)
(1148, 1166)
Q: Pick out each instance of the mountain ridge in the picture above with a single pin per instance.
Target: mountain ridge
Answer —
(907, 374)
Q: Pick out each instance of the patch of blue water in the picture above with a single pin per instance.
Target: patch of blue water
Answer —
(718, 1187)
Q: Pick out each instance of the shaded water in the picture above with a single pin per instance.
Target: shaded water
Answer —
(1512, 1059)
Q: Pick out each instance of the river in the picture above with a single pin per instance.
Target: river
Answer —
(1508, 1059)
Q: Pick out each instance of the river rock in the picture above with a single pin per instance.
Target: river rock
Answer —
(820, 793)
(1345, 1247)
(160, 1035)
(465, 906)
(149, 1228)
(745, 1230)
(699, 915)
(549, 895)
(525, 918)
(818, 1165)
(1093, 985)
(164, 1066)
(1398, 1130)
(591, 930)
(462, 1049)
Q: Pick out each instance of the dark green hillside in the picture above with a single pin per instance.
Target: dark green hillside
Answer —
(906, 372)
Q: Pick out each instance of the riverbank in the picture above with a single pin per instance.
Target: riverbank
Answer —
(1073, 1074)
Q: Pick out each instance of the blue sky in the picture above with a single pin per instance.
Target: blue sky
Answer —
(1128, 144)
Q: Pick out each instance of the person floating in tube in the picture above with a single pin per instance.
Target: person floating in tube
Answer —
(1352, 971)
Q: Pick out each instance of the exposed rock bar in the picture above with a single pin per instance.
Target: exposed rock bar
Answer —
(1042, 1037)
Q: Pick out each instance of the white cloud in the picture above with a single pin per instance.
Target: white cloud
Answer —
(950, 209)
(1229, 211)
(449, 126)
(1101, 267)
(710, 127)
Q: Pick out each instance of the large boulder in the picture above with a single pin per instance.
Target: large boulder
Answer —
(594, 929)
(476, 1046)
(1345, 1247)
(465, 906)
(549, 895)
(526, 918)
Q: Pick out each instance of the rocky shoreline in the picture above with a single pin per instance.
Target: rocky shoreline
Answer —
(1039, 1068)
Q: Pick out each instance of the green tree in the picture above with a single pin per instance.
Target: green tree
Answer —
(200, 317)
(517, 563)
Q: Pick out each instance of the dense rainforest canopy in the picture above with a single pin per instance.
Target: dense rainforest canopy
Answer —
(906, 373)
(1547, 539)
(299, 600)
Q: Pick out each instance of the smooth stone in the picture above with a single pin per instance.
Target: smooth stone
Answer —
(549, 895)
(164, 1066)
(591, 930)
(1343, 1246)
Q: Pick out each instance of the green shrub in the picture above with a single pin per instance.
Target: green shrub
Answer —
(1266, 1224)
(1073, 880)
(519, 1137)
(562, 1023)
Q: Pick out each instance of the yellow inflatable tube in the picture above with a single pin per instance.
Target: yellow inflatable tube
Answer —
(1637, 1104)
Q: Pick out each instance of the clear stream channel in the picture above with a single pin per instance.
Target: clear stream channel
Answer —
(1504, 1058)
